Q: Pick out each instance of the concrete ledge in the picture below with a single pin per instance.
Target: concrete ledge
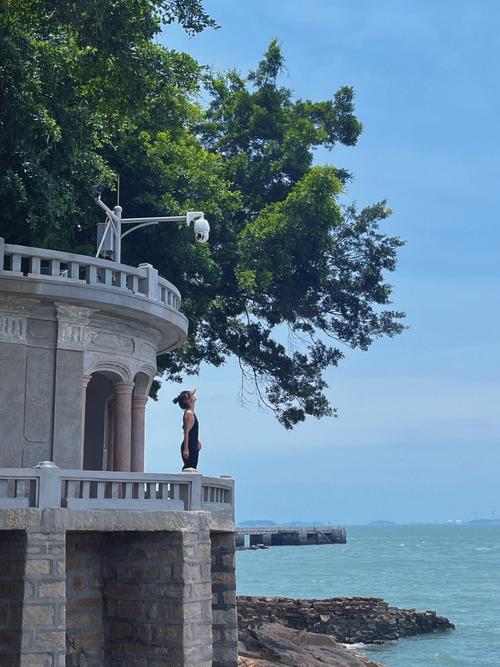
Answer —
(107, 520)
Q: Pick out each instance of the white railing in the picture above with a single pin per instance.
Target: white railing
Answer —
(217, 494)
(39, 263)
(49, 486)
(94, 490)
(18, 488)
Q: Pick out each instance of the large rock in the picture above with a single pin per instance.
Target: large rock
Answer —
(272, 645)
(348, 620)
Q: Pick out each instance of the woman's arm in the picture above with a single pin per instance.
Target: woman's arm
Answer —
(187, 425)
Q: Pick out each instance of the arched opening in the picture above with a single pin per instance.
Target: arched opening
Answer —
(114, 421)
(98, 433)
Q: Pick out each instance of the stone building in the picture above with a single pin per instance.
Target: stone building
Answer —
(103, 564)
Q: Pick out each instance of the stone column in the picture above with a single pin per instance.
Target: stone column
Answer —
(110, 436)
(158, 596)
(43, 621)
(85, 380)
(72, 340)
(138, 430)
(123, 425)
(225, 622)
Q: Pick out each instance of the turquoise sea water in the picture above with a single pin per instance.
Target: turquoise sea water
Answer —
(452, 569)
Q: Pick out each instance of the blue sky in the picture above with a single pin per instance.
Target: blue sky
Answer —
(417, 437)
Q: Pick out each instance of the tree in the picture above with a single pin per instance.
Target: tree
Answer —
(285, 259)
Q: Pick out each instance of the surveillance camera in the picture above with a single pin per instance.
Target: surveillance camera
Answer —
(201, 230)
(97, 190)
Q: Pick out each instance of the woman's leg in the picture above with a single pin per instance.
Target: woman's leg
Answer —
(192, 461)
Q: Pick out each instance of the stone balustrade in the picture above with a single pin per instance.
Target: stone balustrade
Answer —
(49, 486)
(68, 268)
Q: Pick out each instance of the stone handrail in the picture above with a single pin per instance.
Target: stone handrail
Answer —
(48, 486)
(39, 263)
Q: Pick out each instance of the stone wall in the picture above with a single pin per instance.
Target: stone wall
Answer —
(157, 600)
(84, 603)
(140, 599)
(12, 555)
(93, 588)
(347, 619)
(225, 622)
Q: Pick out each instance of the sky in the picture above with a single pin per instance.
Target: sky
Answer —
(418, 432)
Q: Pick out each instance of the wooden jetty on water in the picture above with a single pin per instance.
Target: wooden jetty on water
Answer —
(289, 535)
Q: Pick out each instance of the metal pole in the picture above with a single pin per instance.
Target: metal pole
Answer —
(118, 233)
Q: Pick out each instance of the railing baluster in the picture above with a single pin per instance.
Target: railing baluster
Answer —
(74, 270)
(91, 274)
(55, 267)
(35, 266)
(15, 263)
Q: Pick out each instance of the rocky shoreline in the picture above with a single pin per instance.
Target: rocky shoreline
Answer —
(284, 631)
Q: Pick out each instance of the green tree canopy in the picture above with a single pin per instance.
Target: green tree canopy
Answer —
(86, 93)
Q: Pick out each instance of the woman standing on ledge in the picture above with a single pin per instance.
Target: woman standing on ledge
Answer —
(190, 446)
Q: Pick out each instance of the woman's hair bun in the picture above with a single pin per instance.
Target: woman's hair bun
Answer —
(182, 399)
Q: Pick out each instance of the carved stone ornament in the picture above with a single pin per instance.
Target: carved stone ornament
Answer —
(72, 329)
(14, 312)
(102, 340)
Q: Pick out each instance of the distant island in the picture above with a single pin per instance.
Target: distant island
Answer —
(483, 522)
(256, 523)
(381, 522)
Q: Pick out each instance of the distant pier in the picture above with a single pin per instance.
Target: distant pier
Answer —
(271, 536)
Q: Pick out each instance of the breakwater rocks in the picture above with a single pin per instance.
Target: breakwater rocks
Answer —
(349, 620)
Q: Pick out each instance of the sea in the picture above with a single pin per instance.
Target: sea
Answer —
(451, 569)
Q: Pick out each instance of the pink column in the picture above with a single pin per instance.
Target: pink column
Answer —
(138, 430)
(123, 425)
(110, 436)
(85, 380)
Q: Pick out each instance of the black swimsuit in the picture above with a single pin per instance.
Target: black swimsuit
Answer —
(192, 460)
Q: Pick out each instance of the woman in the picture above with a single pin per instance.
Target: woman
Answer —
(190, 446)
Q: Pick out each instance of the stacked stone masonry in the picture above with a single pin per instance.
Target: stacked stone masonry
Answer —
(116, 598)
(225, 622)
(13, 555)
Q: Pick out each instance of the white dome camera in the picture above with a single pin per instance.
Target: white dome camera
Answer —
(201, 226)
(201, 230)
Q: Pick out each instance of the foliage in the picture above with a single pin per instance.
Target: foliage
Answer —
(87, 93)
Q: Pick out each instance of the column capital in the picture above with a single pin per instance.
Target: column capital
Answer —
(72, 326)
(123, 387)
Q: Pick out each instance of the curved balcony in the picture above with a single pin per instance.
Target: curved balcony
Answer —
(140, 292)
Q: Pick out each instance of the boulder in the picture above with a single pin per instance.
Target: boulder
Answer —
(272, 644)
